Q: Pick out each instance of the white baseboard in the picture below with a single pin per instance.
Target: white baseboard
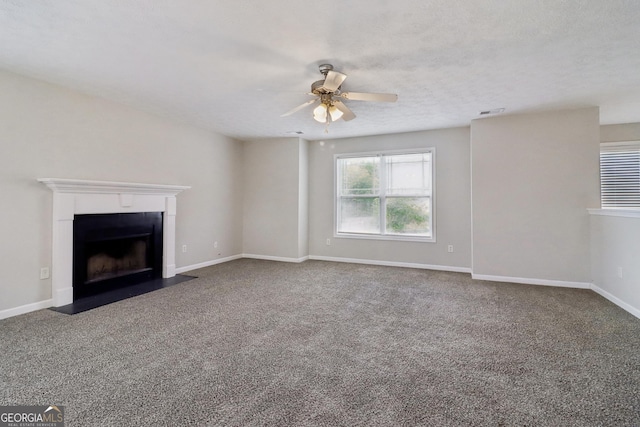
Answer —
(617, 301)
(392, 264)
(234, 257)
(186, 268)
(275, 258)
(530, 281)
(15, 311)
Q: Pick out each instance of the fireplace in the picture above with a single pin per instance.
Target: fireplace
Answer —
(74, 198)
(111, 251)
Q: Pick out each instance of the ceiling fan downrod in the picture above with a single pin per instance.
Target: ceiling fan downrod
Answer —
(325, 68)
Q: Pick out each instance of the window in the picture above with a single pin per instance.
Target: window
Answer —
(620, 174)
(385, 195)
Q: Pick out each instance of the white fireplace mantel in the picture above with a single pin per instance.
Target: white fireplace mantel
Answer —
(106, 187)
(77, 197)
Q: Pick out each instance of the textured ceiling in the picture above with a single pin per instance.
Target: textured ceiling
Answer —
(236, 66)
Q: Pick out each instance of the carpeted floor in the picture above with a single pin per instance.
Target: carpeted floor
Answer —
(252, 343)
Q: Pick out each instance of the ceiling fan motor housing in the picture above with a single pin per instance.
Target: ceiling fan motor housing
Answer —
(317, 88)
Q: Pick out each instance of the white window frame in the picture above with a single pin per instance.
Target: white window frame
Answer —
(626, 165)
(383, 235)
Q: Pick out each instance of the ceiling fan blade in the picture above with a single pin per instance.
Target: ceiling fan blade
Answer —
(377, 97)
(333, 81)
(347, 114)
(300, 107)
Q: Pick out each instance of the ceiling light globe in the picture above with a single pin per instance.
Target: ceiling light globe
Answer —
(335, 113)
(320, 113)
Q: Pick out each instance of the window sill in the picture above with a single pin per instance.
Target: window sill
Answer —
(626, 213)
(385, 237)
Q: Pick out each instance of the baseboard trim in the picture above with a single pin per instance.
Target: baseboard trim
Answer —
(186, 268)
(617, 301)
(392, 264)
(28, 308)
(275, 258)
(530, 281)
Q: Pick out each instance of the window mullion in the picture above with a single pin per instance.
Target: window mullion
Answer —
(383, 195)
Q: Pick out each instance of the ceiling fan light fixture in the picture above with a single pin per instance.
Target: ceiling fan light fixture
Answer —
(329, 108)
(320, 113)
(335, 113)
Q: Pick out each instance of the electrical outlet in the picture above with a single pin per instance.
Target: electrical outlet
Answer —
(328, 242)
(184, 248)
(620, 272)
(450, 248)
(215, 244)
(44, 273)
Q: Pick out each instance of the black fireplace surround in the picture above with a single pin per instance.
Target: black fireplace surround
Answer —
(111, 251)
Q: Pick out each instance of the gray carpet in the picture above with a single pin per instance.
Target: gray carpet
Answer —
(252, 343)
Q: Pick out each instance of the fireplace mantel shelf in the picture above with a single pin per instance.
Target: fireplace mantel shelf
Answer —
(61, 185)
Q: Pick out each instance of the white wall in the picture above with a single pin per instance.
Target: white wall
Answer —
(303, 198)
(274, 209)
(49, 131)
(615, 240)
(615, 251)
(618, 133)
(453, 198)
(534, 176)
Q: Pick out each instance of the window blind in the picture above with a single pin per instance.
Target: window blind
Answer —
(620, 174)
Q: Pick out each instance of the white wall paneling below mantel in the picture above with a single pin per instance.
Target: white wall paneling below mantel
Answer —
(77, 197)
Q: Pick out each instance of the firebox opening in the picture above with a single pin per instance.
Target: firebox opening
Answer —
(117, 257)
(115, 250)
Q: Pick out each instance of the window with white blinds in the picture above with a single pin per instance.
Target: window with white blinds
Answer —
(620, 174)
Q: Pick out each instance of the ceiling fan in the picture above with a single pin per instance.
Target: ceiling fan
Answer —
(327, 92)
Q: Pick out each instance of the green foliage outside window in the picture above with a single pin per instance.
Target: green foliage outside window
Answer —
(361, 178)
(403, 214)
